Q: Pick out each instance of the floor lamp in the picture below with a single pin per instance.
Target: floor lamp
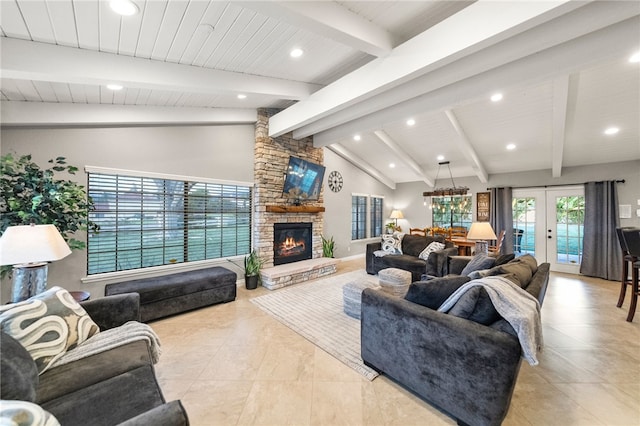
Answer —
(29, 248)
(481, 232)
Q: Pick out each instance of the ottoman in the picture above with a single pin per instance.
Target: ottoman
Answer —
(352, 294)
(394, 281)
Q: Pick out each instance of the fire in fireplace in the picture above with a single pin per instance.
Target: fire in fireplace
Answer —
(292, 242)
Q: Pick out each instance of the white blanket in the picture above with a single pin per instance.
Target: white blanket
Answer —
(114, 337)
(515, 305)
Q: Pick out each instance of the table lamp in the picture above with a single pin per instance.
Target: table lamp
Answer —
(396, 214)
(29, 248)
(481, 232)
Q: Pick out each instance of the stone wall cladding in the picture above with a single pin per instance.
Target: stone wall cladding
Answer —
(270, 162)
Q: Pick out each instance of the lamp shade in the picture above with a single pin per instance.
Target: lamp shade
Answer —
(396, 214)
(481, 231)
(31, 244)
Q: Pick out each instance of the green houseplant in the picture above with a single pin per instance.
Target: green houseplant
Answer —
(327, 246)
(252, 266)
(31, 194)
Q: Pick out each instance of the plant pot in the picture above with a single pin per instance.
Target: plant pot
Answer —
(251, 282)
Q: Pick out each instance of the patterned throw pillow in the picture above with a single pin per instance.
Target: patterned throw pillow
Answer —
(47, 325)
(434, 246)
(392, 244)
(23, 413)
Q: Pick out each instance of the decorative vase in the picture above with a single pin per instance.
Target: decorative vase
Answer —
(251, 282)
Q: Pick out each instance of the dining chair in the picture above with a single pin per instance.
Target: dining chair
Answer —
(627, 259)
(418, 231)
(632, 240)
(498, 246)
(458, 231)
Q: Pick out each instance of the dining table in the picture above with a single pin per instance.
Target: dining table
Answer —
(464, 245)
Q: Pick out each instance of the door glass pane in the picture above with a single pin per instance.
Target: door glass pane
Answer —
(569, 229)
(524, 225)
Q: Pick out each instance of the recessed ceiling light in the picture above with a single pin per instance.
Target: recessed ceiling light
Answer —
(411, 122)
(496, 97)
(296, 53)
(635, 58)
(356, 137)
(114, 86)
(440, 157)
(124, 7)
(242, 96)
(611, 131)
(511, 146)
(392, 165)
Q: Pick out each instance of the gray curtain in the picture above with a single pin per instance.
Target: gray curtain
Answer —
(601, 251)
(501, 216)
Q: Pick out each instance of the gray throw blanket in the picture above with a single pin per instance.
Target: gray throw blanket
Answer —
(114, 337)
(515, 305)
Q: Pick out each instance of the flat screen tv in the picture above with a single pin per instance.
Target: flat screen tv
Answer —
(303, 180)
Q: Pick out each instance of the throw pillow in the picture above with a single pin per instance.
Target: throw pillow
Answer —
(47, 325)
(23, 413)
(392, 244)
(477, 263)
(18, 371)
(434, 292)
(475, 305)
(434, 246)
(529, 261)
(518, 272)
(501, 259)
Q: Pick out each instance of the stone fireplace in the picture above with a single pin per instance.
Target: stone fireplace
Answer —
(271, 207)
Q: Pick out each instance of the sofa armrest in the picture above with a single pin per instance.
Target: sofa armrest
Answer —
(438, 262)
(169, 414)
(457, 263)
(113, 311)
(371, 247)
(467, 369)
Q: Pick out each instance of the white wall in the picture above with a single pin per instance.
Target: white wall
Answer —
(337, 218)
(218, 152)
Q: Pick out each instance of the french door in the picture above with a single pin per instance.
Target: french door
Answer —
(549, 224)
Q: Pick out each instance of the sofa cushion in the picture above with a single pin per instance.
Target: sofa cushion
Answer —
(475, 305)
(528, 260)
(413, 245)
(18, 371)
(392, 244)
(434, 292)
(518, 272)
(77, 375)
(434, 246)
(62, 324)
(478, 262)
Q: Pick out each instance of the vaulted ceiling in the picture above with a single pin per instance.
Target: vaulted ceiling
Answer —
(562, 67)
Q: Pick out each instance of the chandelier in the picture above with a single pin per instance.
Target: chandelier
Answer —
(445, 192)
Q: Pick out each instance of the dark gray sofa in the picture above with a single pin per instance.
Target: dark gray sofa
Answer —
(114, 387)
(464, 368)
(412, 246)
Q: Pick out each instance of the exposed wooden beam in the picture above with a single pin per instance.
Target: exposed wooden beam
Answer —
(560, 107)
(404, 157)
(492, 22)
(60, 64)
(331, 20)
(58, 114)
(362, 165)
(605, 44)
(466, 147)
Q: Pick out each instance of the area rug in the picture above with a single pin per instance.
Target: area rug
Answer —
(315, 311)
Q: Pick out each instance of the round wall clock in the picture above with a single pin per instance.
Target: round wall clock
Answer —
(335, 181)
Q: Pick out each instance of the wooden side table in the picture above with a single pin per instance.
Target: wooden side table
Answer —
(80, 296)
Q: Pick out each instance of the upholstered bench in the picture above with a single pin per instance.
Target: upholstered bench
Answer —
(175, 293)
(352, 295)
(394, 281)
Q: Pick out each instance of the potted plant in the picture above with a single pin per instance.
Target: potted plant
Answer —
(252, 265)
(327, 246)
(35, 195)
(390, 227)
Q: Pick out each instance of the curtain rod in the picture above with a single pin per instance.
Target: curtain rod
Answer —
(551, 186)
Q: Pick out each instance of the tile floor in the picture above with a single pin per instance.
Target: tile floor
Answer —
(232, 364)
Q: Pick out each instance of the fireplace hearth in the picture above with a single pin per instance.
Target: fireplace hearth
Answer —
(292, 242)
